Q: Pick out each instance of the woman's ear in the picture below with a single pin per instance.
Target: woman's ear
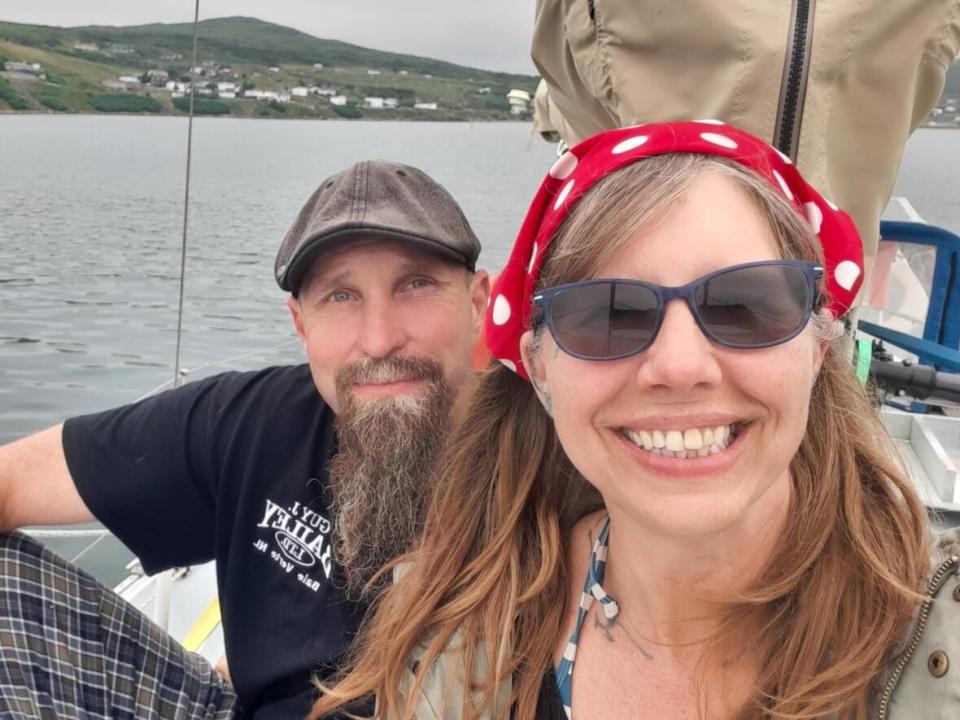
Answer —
(536, 371)
(835, 328)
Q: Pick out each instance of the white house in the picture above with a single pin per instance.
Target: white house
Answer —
(425, 106)
(274, 69)
(129, 79)
(300, 91)
(338, 100)
(318, 66)
(225, 88)
(391, 102)
(404, 72)
(158, 78)
(519, 102)
(86, 47)
(23, 68)
(373, 72)
(323, 91)
(374, 103)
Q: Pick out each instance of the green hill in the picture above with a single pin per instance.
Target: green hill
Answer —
(79, 61)
(248, 40)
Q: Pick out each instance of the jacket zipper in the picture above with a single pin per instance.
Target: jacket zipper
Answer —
(936, 582)
(793, 88)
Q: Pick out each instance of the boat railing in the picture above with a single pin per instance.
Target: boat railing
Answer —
(229, 362)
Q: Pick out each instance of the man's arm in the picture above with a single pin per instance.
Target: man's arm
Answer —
(36, 487)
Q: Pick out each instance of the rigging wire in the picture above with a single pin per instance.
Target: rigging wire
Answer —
(186, 198)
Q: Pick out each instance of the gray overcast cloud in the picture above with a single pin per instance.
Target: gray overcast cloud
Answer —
(492, 34)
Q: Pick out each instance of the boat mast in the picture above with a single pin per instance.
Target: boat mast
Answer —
(186, 200)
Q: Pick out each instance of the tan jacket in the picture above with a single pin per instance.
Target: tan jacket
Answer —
(922, 679)
(863, 73)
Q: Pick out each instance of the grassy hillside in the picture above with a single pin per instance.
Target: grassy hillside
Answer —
(247, 40)
(262, 55)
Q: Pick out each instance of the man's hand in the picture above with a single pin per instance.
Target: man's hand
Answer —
(35, 485)
(222, 669)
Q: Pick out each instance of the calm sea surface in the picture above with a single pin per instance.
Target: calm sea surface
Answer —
(90, 232)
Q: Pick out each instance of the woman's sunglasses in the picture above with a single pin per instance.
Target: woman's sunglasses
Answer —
(754, 305)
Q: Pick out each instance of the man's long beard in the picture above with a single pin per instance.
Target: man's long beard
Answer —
(380, 476)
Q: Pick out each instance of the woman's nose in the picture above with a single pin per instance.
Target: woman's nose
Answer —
(681, 357)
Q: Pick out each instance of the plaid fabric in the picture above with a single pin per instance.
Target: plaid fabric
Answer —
(71, 648)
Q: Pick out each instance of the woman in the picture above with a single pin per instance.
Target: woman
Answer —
(673, 299)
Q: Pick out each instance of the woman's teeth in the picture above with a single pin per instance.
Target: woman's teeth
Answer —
(695, 442)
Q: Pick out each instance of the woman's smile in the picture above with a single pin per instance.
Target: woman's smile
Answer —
(691, 453)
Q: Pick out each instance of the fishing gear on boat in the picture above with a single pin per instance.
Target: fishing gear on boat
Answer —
(921, 382)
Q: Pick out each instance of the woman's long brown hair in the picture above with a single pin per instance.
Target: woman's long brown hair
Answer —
(834, 597)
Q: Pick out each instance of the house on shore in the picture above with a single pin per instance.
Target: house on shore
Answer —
(519, 102)
(268, 95)
(158, 78)
(23, 68)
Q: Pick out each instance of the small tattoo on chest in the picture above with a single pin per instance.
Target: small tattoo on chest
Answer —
(609, 628)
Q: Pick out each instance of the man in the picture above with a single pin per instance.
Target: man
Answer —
(299, 495)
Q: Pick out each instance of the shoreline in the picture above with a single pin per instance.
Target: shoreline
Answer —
(365, 118)
(227, 116)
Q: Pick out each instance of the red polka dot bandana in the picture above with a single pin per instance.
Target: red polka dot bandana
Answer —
(508, 314)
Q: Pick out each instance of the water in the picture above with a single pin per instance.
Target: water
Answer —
(90, 224)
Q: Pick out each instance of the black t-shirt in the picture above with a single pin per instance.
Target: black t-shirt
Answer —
(232, 468)
(549, 704)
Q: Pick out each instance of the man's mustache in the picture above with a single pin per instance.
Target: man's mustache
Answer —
(388, 370)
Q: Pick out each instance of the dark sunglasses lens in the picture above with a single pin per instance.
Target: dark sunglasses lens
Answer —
(753, 306)
(604, 320)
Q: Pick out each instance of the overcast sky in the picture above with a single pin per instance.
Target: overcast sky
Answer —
(489, 34)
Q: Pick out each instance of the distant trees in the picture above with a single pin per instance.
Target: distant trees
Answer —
(115, 102)
(201, 106)
(53, 103)
(10, 97)
(349, 111)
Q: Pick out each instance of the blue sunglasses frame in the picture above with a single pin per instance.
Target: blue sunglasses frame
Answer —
(812, 272)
